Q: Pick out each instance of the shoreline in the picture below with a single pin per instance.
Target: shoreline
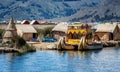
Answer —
(43, 45)
(48, 46)
(53, 45)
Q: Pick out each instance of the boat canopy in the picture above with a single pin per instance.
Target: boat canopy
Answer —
(77, 31)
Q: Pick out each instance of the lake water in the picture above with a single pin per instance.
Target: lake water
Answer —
(105, 60)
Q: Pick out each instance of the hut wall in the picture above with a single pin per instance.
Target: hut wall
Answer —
(104, 36)
(116, 34)
(58, 34)
(3, 26)
(6, 39)
(19, 33)
(27, 36)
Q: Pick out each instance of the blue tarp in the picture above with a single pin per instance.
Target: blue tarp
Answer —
(34, 39)
(48, 40)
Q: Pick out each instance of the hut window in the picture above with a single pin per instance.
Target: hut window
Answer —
(89, 35)
(79, 35)
(70, 35)
(34, 35)
(111, 36)
(75, 36)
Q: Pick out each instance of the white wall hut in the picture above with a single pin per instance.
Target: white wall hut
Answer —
(27, 32)
(108, 32)
(34, 22)
(25, 22)
(42, 22)
(59, 30)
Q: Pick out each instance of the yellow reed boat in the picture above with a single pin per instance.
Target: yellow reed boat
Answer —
(79, 37)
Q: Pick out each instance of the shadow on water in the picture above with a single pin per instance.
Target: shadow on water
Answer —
(11, 56)
(73, 53)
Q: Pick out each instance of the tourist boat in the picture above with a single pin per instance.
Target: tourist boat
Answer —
(79, 37)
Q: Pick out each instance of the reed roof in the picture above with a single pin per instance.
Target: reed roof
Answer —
(26, 28)
(11, 25)
(106, 27)
(61, 27)
(10, 29)
(8, 34)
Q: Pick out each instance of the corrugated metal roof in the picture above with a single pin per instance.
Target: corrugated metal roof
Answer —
(26, 28)
(25, 22)
(34, 22)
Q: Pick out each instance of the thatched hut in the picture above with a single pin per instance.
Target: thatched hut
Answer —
(27, 32)
(59, 30)
(25, 22)
(108, 32)
(10, 32)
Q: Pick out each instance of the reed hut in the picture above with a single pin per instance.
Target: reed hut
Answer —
(11, 32)
(25, 22)
(59, 30)
(27, 32)
(108, 32)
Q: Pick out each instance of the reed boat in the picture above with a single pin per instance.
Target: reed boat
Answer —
(79, 37)
(89, 46)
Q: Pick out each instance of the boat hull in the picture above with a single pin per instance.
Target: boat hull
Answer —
(82, 46)
(95, 46)
(75, 47)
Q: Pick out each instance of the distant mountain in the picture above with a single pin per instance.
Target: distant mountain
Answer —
(61, 10)
(107, 10)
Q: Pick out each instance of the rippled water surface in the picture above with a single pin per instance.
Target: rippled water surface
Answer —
(105, 60)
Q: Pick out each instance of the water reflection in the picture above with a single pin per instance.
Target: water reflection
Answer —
(105, 60)
(79, 53)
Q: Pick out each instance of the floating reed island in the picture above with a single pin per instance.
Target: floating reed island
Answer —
(11, 42)
(71, 37)
(29, 36)
(8, 50)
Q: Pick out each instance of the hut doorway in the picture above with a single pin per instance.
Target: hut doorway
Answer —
(111, 36)
(34, 35)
